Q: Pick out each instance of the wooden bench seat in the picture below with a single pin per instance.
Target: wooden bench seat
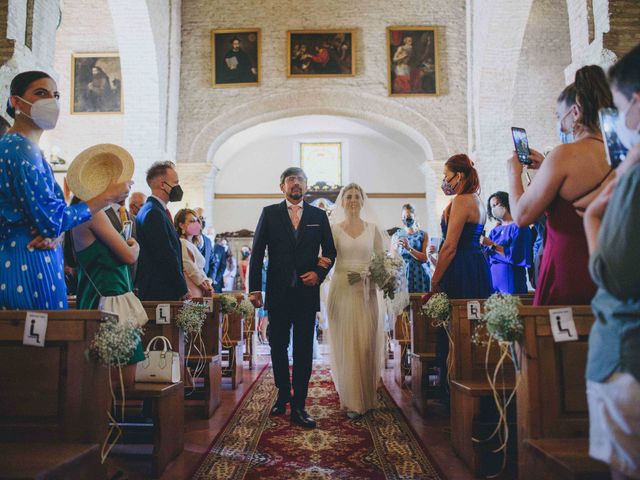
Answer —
(552, 406)
(473, 410)
(563, 458)
(51, 461)
(167, 413)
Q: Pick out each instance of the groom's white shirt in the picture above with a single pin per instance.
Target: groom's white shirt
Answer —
(301, 205)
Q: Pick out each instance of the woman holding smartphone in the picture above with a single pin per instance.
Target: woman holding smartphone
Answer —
(412, 244)
(568, 179)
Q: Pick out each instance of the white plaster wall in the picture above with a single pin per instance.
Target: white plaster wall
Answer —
(208, 116)
(18, 57)
(74, 133)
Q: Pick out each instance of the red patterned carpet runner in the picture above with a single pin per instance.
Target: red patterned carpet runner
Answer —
(254, 445)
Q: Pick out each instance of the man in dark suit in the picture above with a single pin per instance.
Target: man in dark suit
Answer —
(160, 275)
(293, 231)
(206, 248)
(218, 265)
(117, 215)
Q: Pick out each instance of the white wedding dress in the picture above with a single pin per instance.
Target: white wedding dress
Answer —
(356, 321)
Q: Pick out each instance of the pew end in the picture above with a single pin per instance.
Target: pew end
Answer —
(565, 459)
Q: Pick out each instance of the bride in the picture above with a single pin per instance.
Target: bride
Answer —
(355, 312)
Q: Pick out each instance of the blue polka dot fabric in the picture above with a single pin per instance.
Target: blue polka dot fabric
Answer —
(418, 280)
(31, 203)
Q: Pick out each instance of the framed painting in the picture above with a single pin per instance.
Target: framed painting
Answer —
(96, 83)
(235, 57)
(413, 61)
(321, 53)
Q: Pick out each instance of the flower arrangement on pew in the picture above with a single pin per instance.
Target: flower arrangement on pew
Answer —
(438, 309)
(191, 318)
(113, 345)
(503, 325)
(229, 305)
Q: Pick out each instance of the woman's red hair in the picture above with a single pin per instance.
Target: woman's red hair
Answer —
(461, 163)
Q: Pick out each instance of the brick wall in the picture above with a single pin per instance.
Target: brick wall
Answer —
(15, 57)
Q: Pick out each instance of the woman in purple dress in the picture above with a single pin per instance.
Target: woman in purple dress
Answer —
(509, 248)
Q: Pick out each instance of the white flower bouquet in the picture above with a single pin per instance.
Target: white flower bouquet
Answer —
(438, 308)
(228, 303)
(385, 270)
(115, 343)
(191, 316)
(245, 309)
(502, 319)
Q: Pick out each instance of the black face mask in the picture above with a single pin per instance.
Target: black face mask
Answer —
(409, 221)
(175, 194)
(202, 222)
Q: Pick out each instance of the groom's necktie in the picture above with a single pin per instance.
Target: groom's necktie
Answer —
(293, 214)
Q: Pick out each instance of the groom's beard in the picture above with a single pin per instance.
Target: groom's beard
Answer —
(296, 194)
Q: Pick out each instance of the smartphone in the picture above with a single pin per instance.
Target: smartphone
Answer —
(126, 229)
(614, 148)
(521, 144)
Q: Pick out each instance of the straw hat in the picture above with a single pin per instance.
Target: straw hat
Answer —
(95, 168)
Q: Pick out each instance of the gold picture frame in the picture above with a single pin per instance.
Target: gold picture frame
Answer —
(412, 61)
(334, 51)
(232, 68)
(96, 84)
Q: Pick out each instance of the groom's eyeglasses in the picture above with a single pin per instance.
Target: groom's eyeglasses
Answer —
(294, 178)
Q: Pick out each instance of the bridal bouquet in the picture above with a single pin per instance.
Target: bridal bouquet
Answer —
(385, 270)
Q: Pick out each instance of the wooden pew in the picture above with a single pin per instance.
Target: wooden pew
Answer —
(53, 401)
(163, 401)
(232, 341)
(553, 418)
(473, 410)
(423, 355)
(401, 347)
(250, 341)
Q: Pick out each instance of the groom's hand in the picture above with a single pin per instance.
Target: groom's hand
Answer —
(310, 279)
(256, 299)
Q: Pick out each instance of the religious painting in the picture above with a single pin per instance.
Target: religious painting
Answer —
(96, 83)
(321, 53)
(413, 60)
(235, 57)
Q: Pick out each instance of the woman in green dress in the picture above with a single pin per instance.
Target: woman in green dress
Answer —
(102, 258)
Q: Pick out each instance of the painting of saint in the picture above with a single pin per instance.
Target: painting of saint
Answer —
(235, 57)
(413, 60)
(321, 53)
(96, 83)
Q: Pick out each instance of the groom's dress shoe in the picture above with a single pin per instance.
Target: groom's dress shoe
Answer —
(279, 408)
(302, 418)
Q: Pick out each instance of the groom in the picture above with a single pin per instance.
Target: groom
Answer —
(293, 232)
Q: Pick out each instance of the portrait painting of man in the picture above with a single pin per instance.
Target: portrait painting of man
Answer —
(321, 53)
(96, 83)
(235, 57)
(413, 60)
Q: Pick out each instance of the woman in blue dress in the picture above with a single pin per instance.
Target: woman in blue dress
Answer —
(412, 245)
(462, 271)
(33, 213)
(508, 248)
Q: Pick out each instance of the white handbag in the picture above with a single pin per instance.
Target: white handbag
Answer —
(159, 366)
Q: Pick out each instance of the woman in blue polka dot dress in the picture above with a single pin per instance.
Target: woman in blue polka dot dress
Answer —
(33, 213)
(412, 244)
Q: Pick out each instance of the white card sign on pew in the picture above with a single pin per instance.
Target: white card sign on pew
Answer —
(35, 329)
(209, 303)
(163, 314)
(473, 310)
(562, 325)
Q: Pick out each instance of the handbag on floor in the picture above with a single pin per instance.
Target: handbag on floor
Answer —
(159, 366)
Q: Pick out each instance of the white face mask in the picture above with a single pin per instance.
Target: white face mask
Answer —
(629, 138)
(498, 212)
(44, 113)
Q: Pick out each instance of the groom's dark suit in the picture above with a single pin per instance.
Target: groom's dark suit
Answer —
(291, 253)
